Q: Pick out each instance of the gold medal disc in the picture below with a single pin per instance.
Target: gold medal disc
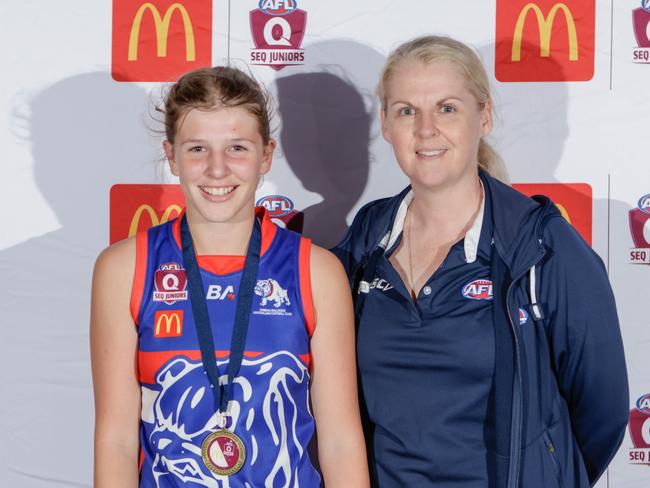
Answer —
(223, 452)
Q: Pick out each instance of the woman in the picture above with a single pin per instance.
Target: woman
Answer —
(211, 334)
(488, 343)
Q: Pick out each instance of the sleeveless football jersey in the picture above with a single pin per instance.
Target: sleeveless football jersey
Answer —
(270, 404)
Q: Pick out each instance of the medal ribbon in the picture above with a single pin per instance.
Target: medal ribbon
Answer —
(202, 318)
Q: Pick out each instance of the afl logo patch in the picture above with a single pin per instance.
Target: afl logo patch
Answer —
(478, 290)
(523, 316)
(644, 203)
(276, 205)
(643, 404)
(277, 7)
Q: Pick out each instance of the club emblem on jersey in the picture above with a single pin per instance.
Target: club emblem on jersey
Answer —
(271, 292)
(478, 290)
(170, 282)
(188, 447)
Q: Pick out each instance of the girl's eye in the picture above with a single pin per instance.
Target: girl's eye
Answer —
(238, 148)
(447, 109)
(407, 111)
(196, 149)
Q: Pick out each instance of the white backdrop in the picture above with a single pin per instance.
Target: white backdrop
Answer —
(69, 132)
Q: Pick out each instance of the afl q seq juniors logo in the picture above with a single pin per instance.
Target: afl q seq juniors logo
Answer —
(639, 428)
(640, 22)
(278, 27)
(170, 281)
(640, 230)
(478, 290)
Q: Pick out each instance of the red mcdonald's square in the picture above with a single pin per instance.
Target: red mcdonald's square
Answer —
(159, 40)
(545, 40)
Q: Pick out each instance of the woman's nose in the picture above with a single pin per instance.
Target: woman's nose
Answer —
(426, 125)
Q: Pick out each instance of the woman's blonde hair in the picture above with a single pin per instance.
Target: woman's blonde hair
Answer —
(429, 49)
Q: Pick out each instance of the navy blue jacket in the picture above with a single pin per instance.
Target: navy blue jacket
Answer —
(561, 392)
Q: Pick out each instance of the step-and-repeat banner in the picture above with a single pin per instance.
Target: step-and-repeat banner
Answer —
(83, 165)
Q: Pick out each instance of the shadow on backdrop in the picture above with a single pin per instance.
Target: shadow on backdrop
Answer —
(327, 118)
(86, 133)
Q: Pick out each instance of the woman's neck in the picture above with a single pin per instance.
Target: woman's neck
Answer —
(446, 211)
(221, 238)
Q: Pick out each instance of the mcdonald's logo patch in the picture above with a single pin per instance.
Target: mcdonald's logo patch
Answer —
(573, 200)
(545, 40)
(168, 323)
(138, 207)
(159, 40)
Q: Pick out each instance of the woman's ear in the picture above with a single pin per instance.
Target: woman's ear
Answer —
(385, 132)
(486, 118)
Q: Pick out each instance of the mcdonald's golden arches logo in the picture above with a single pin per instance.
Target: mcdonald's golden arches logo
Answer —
(171, 211)
(545, 40)
(135, 208)
(168, 323)
(159, 40)
(573, 200)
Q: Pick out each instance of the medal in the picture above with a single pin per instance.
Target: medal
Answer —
(222, 451)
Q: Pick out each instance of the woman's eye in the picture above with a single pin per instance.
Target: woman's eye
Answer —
(407, 111)
(447, 109)
(238, 148)
(196, 149)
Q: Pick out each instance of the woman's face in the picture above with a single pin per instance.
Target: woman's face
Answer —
(219, 156)
(434, 123)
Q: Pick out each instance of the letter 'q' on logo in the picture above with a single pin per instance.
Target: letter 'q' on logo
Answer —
(168, 323)
(545, 40)
(159, 40)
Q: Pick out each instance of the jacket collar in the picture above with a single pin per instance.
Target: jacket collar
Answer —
(516, 223)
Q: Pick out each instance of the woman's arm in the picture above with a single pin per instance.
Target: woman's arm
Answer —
(113, 340)
(587, 346)
(341, 447)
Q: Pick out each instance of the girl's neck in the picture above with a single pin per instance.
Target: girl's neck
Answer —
(221, 238)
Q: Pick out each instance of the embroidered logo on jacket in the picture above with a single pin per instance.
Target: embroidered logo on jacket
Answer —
(478, 290)
(523, 316)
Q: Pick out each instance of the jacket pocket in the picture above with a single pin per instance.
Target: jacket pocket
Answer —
(552, 453)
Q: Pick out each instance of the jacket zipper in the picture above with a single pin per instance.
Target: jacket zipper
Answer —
(550, 447)
(517, 403)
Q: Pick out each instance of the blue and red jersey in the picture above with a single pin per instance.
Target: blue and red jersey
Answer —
(269, 408)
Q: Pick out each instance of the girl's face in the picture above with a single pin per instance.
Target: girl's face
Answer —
(434, 123)
(219, 156)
